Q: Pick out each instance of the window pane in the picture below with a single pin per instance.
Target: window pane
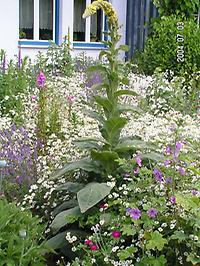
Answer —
(96, 26)
(46, 20)
(79, 22)
(26, 19)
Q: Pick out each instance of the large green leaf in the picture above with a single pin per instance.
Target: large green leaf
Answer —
(65, 205)
(156, 241)
(113, 127)
(129, 144)
(125, 92)
(89, 143)
(129, 108)
(64, 218)
(71, 187)
(90, 195)
(104, 102)
(84, 164)
(106, 159)
(95, 115)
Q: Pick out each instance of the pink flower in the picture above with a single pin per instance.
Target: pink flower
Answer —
(70, 99)
(40, 81)
(88, 242)
(33, 97)
(138, 161)
(116, 234)
(104, 206)
(136, 171)
(94, 247)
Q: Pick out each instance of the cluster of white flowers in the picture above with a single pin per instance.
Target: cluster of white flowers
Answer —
(70, 238)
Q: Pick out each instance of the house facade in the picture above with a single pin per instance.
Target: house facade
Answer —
(29, 25)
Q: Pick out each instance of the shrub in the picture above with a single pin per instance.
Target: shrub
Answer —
(170, 7)
(20, 237)
(162, 45)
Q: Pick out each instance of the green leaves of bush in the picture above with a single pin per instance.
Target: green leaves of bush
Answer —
(161, 47)
(16, 250)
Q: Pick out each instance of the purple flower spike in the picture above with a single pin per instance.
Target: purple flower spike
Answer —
(181, 171)
(168, 180)
(168, 149)
(173, 199)
(138, 161)
(4, 64)
(134, 213)
(158, 175)
(41, 80)
(178, 146)
(152, 213)
(19, 59)
(166, 162)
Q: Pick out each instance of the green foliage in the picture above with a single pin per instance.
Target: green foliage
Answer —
(57, 60)
(92, 194)
(15, 78)
(161, 48)
(180, 94)
(20, 237)
(178, 7)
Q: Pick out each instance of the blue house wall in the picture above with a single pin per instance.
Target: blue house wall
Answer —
(139, 15)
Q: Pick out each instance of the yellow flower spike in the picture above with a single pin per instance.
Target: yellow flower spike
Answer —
(107, 8)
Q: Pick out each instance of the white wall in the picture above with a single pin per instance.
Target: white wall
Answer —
(9, 26)
(120, 7)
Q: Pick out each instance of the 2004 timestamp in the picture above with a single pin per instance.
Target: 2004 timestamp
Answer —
(180, 41)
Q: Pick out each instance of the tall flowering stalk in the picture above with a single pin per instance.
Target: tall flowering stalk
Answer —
(42, 108)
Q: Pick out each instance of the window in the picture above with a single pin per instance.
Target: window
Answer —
(36, 19)
(89, 29)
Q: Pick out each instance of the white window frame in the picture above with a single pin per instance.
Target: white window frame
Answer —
(88, 27)
(36, 22)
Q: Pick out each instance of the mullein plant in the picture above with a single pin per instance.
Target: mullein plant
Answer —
(102, 165)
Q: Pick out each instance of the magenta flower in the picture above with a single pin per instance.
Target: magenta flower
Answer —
(40, 81)
(33, 97)
(104, 206)
(173, 199)
(138, 161)
(158, 175)
(94, 247)
(152, 213)
(181, 171)
(116, 234)
(134, 213)
(136, 171)
(88, 242)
